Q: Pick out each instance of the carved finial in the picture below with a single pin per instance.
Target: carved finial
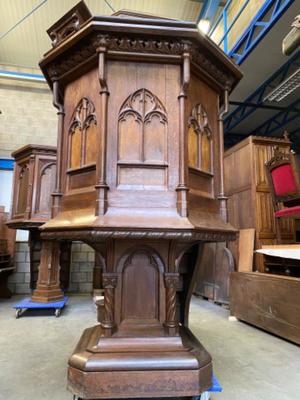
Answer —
(286, 135)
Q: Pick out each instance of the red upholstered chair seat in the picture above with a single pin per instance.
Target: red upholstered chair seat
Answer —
(283, 180)
(288, 212)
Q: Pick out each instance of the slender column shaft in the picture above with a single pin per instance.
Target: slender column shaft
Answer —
(101, 186)
(109, 284)
(222, 198)
(57, 194)
(171, 284)
(182, 189)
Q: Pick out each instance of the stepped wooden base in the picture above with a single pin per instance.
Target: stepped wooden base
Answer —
(122, 367)
(47, 295)
(48, 284)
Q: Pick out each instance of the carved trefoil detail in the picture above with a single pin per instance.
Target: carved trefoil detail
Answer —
(83, 135)
(142, 129)
(199, 140)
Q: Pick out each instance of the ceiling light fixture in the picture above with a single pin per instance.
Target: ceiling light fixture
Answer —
(285, 88)
(204, 25)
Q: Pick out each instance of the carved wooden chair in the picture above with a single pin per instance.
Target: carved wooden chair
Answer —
(284, 181)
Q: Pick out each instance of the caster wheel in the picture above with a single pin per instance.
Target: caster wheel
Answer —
(18, 312)
(76, 397)
(57, 314)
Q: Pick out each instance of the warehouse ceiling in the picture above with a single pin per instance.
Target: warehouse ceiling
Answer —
(23, 23)
(23, 41)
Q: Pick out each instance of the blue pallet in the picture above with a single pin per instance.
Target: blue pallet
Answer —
(216, 387)
(27, 303)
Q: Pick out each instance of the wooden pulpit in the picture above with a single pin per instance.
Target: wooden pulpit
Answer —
(140, 179)
(34, 182)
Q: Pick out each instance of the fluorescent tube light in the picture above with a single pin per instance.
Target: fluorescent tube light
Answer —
(285, 88)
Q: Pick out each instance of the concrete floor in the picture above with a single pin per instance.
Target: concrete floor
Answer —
(250, 364)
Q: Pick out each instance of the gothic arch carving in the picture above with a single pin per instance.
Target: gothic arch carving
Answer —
(82, 135)
(22, 189)
(140, 285)
(199, 140)
(46, 187)
(142, 129)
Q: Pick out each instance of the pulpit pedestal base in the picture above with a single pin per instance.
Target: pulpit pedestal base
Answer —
(138, 367)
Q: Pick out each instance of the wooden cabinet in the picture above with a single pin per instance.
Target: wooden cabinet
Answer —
(249, 198)
(34, 181)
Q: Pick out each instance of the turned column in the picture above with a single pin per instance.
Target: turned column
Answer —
(101, 186)
(109, 285)
(48, 284)
(56, 195)
(182, 189)
(171, 284)
(221, 196)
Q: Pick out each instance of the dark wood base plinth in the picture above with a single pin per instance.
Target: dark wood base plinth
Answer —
(47, 295)
(166, 366)
(48, 285)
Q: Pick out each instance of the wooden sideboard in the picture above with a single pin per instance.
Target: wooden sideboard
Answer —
(249, 198)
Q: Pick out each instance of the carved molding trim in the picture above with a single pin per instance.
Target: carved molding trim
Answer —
(169, 385)
(98, 235)
(135, 44)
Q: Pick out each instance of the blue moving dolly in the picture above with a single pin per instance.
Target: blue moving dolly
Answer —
(27, 304)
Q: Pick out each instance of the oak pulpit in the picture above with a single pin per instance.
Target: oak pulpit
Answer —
(34, 181)
(140, 179)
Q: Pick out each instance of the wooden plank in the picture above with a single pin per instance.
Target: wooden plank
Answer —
(270, 302)
(281, 246)
(246, 249)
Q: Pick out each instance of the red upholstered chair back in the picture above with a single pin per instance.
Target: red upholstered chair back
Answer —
(283, 177)
(284, 181)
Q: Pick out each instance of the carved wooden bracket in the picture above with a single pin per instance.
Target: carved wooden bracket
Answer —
(69, 24)
(109, 280)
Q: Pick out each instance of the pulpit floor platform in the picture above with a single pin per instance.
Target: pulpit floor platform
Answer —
(249, 364)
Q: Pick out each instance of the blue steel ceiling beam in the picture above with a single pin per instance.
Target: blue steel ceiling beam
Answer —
(263, 21)
(243, 111)
(22, 76)
(209, 10)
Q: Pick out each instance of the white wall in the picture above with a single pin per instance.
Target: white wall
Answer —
(6, 181)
